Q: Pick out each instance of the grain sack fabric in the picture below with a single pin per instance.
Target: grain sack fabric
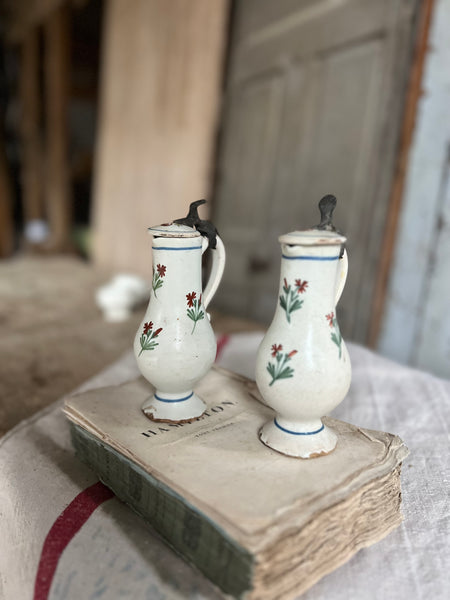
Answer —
(64, 535)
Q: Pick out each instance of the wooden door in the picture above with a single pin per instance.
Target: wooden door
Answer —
(314, 97)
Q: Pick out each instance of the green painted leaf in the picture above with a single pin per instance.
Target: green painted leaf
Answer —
(271, 370)
(286, 373)
(335, 339)
(150, 345)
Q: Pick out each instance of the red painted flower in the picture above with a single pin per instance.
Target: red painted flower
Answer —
(285, 283)
(200, 300)
(148, 327)
(157, 332)
(301, 286)
(161, 270)
(330, 318)
(291, 353)
(190, 298)
(276, 349)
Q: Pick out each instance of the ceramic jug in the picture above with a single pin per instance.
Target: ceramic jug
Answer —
(175, 345)
(303, 368)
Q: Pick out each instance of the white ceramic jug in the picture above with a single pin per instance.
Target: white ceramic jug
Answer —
(175, 345)
(303, 369)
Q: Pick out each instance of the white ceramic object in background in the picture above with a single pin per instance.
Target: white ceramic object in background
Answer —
(37, 231)
(303, 368)
(118, 297)
(175, 345)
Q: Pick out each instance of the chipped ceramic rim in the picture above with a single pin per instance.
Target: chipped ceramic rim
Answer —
(312, 237)
(173, 230)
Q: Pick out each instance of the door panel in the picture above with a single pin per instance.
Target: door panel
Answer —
(314, 96)
(252, 149)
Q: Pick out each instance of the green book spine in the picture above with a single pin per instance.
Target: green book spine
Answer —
(187, 530)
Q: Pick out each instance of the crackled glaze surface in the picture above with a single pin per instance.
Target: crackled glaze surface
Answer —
(175, 345)
(303, 368)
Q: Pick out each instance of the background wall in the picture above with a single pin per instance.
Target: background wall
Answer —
(159, 104)
(314, 101)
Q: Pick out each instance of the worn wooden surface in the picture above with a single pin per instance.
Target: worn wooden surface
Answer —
(314, 96)
(53, 335)
(161, 74)
(416, 328)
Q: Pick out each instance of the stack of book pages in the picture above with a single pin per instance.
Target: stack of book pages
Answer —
(258, 524)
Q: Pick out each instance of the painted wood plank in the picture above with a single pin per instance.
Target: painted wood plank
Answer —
(409, 330)
(432, 346)
(395, 203)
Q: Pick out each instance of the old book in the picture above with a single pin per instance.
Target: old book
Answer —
(258, 524)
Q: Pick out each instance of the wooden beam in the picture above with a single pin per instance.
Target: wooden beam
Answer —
(32, 173)
(57, 69)
(160, 95)
(6, 200)
(20, 16)
(412, 98)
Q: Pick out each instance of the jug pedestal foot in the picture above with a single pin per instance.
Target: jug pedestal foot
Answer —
(298, 439)
(174, 408)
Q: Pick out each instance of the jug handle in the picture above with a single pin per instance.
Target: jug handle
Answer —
(217, 267)
(341, 277)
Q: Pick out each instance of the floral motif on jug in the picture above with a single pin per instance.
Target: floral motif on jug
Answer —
(289, 300)
(280, 369)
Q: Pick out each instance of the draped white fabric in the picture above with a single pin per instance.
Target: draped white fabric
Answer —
(115, 555)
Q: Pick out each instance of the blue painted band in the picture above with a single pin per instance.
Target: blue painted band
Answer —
(172, 248)
(311, 257)
(175, 399)
(299, 432)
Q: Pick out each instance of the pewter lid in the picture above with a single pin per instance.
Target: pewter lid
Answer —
(173, 230)
(323, 234)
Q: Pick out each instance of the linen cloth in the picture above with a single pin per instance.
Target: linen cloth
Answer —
(114, 554)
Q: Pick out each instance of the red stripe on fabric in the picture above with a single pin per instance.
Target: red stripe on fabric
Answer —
(63, 530)
(221, 343)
